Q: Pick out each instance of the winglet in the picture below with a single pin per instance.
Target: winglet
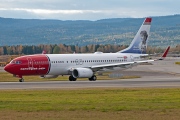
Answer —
(164, 54)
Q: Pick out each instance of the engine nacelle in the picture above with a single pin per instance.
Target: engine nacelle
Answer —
(49, 76)
(82, 73)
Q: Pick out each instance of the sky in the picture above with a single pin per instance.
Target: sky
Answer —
(87, 9)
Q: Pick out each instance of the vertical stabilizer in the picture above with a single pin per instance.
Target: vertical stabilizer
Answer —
(139, 43)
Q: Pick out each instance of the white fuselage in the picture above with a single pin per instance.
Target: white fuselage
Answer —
(62, 64)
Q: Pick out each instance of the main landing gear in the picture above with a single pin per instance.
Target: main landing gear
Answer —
(93, 78)
(71, 78)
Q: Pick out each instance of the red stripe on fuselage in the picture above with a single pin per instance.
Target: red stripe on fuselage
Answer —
(29, 65)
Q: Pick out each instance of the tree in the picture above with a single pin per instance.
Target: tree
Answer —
(5, 50)
(56, 50)
(9, 50)
(69, 49)
(76, 49)
(73, 48)
(83, 49)
(1, 51)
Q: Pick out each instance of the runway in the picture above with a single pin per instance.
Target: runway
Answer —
(126, 83)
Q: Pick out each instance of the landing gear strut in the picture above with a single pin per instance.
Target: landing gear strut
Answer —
(93, 78)
(71, 78)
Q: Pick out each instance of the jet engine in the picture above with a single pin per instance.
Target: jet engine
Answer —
(82, 73)
(49, 76)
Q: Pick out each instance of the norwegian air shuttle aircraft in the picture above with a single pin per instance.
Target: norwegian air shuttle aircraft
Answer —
(83, 65)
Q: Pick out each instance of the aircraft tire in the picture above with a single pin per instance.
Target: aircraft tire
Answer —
(93, 78)
(21, 80)
(71, 78)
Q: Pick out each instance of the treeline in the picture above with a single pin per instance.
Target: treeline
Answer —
(57, 49)
(62, 48)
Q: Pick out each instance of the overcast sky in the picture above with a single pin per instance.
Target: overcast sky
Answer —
(87, 9)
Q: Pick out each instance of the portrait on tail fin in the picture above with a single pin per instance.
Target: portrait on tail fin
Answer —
(143, 43)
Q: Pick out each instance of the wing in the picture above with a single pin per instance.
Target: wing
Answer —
(122, 65)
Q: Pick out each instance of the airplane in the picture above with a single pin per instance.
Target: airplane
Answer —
(83, 65)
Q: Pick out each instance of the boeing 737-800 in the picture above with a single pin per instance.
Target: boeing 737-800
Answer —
(82, 65)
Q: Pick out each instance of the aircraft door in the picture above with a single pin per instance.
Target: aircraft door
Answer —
(30, 63)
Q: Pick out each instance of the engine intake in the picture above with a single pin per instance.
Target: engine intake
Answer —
(82, 73)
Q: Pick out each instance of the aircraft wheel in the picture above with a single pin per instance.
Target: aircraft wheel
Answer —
(71, 78)
(93, 78)
(21, 80)
(74, 79)
(90, 79)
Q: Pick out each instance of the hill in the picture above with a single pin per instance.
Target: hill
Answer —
(165, 30)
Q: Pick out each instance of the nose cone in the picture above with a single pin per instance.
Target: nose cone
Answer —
(8, 68)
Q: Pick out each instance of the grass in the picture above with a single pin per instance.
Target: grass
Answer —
(90, 104)
(6, 77)
(177, 63)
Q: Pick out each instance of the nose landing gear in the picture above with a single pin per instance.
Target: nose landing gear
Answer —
(21, 78)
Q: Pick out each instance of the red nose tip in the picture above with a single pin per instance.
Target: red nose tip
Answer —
(8, 68)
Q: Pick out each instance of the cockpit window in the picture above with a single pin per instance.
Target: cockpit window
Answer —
(12, 62)
(16, 62)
